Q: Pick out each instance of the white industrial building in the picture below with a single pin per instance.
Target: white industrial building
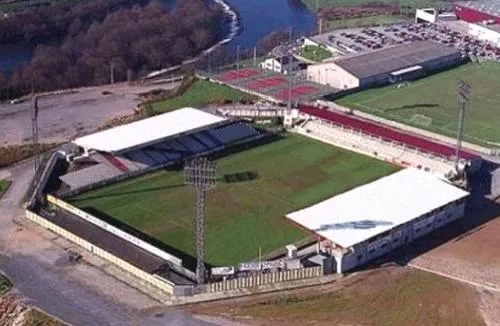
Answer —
(280, 64)
(387, 65)
(432, 15)
(486, 32)
(370, 221)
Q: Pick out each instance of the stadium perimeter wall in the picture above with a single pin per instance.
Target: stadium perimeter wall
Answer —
(256, 282)
(263, 279)
(114, 230)
(152, 279)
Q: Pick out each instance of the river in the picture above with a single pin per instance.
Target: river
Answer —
(258, 18)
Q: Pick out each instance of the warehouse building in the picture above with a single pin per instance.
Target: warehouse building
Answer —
(388, 65)
(369, 221)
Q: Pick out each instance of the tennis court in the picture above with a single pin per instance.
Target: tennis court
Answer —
(238, 74)
(298, 92)
(272, 85)
(268, 82)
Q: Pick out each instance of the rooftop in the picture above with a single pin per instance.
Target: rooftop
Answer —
(147, 131)
(364, 212)
(393, 58)
(488, 6)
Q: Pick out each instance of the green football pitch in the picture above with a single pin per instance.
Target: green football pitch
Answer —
(292, 172)
(431, 103)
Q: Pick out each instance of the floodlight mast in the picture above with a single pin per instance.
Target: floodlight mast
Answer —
(34, 130)
(200, 174)
(463, 95)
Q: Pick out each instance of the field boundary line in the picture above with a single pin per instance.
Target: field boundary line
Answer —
(455, 278)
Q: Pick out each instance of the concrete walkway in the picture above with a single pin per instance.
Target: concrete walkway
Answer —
(80, 294)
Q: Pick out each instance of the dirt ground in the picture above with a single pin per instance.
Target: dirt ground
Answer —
(385, 296)
(473, 256)
(62, 117)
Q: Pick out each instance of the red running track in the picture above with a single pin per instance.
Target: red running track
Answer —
(375, 129)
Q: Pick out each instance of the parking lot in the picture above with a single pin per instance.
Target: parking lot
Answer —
(358, 40)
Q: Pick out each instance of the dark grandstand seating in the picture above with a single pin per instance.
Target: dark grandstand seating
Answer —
(386, 132)
(183, 147)
(233, 132)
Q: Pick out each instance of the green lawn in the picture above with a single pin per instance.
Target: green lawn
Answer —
(5, 284)
(386, 297)
(435, 98)
(363, 21)
(293, 172)
(4, 185)
(311, 4)
(200, 94)
(315, 53)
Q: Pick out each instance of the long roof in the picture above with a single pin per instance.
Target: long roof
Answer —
(149, 130)
(393, 58)
(364, 212)
(491, 7)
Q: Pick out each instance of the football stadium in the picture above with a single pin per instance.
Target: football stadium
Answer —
(287, 205)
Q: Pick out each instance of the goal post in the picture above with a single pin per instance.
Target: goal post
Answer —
(421, 120)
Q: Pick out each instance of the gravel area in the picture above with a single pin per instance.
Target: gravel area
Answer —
(65, 116)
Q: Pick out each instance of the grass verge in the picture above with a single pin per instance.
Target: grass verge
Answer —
(391, 296)
(4, 185)
(34, 317)
(363, 21)
(243, 216)
(200, 94)
(15, 153)
(315, 53)
(5, 285)
(430, 103)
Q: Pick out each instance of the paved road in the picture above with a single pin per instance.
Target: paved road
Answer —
(80, 294)
(64, 116)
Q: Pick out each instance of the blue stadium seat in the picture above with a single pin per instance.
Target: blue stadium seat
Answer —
(192, 144)
(207, 139)
(234, 132)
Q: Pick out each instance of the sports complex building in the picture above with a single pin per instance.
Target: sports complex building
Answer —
(347, 230)
(369, 221)
(388, 65)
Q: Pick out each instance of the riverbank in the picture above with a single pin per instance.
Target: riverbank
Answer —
(233, 22)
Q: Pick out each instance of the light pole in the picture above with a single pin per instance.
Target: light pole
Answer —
(200, 174)
(34, 130)
(463, 95)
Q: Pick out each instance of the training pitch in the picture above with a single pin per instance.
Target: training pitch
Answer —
(431, 103)
(243, 216)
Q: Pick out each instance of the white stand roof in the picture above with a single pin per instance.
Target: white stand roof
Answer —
(364, 212)
(148, 130)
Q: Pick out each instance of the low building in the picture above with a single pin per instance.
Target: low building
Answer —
(486, 32)
(369, 221)
(280, 64)
(388, 65)
(433, 16)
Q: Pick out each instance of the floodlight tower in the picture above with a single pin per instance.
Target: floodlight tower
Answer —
(200, 174)
(288, 113)
(34, 130)
(463, 95)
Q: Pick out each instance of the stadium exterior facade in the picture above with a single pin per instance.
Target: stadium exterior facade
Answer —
(367, 222)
